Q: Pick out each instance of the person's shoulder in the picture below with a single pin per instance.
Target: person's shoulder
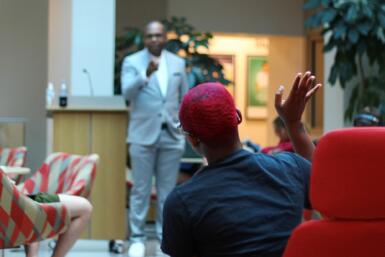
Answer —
(176, 197)
(190, 188)
(299, 166)
(175, 58)
(291, 157)
(185, 187)
(135, 56)
(282, 160)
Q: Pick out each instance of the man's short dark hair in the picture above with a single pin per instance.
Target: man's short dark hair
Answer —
(278, 123)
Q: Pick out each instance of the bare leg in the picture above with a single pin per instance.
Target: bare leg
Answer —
(80, 211)
(32, 250)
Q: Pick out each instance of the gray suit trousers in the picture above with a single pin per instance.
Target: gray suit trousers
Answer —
(162, 160)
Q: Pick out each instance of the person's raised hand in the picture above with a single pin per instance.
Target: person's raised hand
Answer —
(151, 68)
(291, 109)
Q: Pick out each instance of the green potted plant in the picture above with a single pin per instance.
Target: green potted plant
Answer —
(186, 42)
(357, 34)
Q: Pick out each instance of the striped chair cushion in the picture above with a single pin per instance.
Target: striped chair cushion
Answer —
(63, 173)
(24, 221)
(14, 157)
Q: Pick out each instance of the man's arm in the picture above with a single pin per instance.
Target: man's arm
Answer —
(291, 111)
(132, 81)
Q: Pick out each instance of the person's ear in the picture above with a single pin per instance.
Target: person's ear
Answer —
(194, 141)
(239, 116)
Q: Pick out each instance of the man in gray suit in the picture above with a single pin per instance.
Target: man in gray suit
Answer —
(154, 82)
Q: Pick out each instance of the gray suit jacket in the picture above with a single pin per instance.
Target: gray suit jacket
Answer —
(148, 107)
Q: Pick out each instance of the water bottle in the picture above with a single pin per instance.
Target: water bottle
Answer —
(50, 94)
(63, 94)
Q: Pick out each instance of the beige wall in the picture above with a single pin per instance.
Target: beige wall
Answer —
(287, 58)
(59, 38)
(277, 17)
(137, 13)
(23, 68)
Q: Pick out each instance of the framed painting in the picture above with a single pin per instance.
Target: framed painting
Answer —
(257, 87)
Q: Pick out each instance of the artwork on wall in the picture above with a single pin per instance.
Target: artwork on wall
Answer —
(257, 87)
(228, 63)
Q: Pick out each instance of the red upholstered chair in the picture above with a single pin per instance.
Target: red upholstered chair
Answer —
(63, 173)
(347, 188)
(14, 157)
(23, 220)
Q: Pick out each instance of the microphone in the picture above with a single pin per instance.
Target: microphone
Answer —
(85, 71)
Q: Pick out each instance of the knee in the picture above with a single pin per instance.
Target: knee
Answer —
(82, 209)
(86, 209)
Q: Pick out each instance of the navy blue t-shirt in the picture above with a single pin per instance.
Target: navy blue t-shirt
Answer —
(245, 205)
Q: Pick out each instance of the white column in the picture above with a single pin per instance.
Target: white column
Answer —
(82, 36)
(93, 47)
(333, 98)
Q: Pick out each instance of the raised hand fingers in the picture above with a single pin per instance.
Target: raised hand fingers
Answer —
(295, 86)
(311, 92)
(304, 84)
(278, 97)
(304, 79)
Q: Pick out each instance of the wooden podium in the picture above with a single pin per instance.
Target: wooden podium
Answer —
(97, 125)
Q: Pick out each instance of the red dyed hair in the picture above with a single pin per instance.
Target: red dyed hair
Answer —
(208, 112)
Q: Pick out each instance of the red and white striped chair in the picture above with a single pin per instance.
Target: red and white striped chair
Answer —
(63, 173)
(23, 220)
(14, 157)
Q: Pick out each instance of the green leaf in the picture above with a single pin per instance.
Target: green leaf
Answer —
(381, 19)
(353, 36)
(208, 35)
(198, 74)
(314, 21)
(326, 3)
(328, 15)
(138, 40)
(340, 30)
(381, 35)
(352, 14)
(333, 75)
(191, 80)
(311, 4)
(330, 45)
(361, 48)
(367, 11)
(364, 28)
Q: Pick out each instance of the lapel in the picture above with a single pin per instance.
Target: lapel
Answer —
(153, 79)
(169, 74)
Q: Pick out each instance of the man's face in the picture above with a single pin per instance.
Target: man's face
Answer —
(155, 38)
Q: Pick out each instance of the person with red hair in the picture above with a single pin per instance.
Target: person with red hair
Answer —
(241, 204)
